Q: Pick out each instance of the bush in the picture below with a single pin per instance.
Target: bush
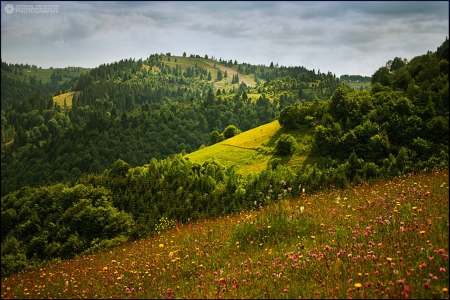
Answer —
(230, 131)
(285, 144)
(13, 263)
(215, 137)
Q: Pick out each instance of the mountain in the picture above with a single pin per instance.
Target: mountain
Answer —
(139, 110)
(150, 140)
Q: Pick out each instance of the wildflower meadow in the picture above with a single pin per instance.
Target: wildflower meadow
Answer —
(388, 239)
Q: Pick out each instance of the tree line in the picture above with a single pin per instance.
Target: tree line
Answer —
(389, 130)
(125, 110)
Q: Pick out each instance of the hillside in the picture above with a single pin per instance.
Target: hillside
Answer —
(136, 111)
(65, 100)
(249, 82)
(254, 150)
(241, 150)
(383, 240)
(19, 80)
(150, 140)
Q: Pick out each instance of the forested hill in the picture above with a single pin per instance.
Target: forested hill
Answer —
(139, 110)
(110, 167)
(21, 80)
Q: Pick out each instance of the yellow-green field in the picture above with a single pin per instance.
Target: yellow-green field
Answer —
(241, 150)
(253, 138)
(212, 67)
(67, 97)
(185, 62)
(252, 151)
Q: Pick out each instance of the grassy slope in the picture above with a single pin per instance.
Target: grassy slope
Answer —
(66, 96)
(45, 74)
(240, 150)
(213, 67)
(357, 85)
(251, 151)
(384, 240)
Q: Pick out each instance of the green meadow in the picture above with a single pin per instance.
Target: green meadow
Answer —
(45, 74)
(253, 151)
(358, 85)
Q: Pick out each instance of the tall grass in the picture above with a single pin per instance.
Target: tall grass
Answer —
(383, 240)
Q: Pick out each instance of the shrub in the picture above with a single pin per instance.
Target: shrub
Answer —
(230, 131)
(285, 144)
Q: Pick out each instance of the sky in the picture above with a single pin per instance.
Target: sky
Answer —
(354, 38)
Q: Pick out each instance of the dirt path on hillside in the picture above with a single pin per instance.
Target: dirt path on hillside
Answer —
(240, 147)
(230, 72)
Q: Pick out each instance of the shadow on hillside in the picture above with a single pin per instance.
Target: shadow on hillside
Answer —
(272, 142)
(277, 159)
(310, 160)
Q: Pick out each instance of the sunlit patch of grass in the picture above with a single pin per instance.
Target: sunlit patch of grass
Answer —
(252, 151)
(240, 150)
(67, 97)
(226, 155)
(252, 138)
(382, 240)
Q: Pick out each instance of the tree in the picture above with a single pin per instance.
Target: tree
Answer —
(381, 76)
(215, 137)
(119, 168)
(210, 98)
(285, 144)
(289, 117)
(219, 75)
(397, 63)
(184, 54)
(230, 131)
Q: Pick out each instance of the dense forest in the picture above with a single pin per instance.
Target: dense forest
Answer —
(111, 166)
(136, 111)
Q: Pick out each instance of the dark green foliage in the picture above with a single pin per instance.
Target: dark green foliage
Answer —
(381, 76)
(216, 137)
(230, 131)
(58, 221)
(289, 117)
(285, 145)
(119, 169)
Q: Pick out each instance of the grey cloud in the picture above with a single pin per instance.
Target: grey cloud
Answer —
(61, 44)
(402, 8)
(343, 34)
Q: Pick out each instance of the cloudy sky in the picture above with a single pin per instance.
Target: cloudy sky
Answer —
(341, 37)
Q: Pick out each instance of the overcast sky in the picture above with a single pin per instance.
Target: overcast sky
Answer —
(354, 38)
